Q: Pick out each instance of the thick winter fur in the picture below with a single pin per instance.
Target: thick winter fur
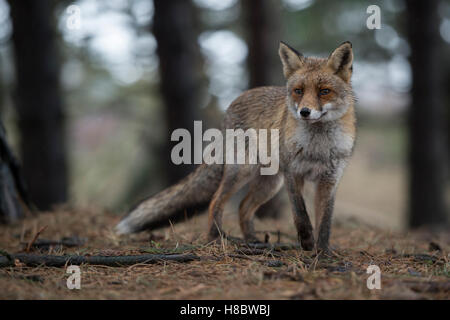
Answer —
(184, 199)
(314, 113)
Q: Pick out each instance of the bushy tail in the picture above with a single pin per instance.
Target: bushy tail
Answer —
(184, 199)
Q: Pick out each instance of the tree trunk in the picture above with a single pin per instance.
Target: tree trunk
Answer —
(174, 30)
(2, 90)
(38, 101)
(262, 23)
(261, 19)
(12, 186)
(427, 147)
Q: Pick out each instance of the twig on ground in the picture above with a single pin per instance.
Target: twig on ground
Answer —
(419, 257)
(257, 252)
(35, 238)
(64, 242)
(272, 246)
(116, 261)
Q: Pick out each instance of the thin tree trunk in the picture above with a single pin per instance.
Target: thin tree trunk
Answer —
(38, 101)
(261, 21)
(427, 147)
(174, 30)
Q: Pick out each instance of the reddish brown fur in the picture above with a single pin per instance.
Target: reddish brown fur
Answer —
(303, 143)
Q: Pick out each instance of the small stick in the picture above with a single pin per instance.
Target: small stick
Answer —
(35, 238)
(112, 261)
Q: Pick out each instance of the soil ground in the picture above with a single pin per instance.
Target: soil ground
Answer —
(413, 265)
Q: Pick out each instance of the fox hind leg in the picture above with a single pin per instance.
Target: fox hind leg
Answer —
(234, 178)
(261, 190)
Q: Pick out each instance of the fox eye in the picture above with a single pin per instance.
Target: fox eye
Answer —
(298, 91)
(324, 92)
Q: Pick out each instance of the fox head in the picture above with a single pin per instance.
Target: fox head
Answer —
(318, 89)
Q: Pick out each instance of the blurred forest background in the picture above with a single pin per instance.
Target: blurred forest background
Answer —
(91, 90)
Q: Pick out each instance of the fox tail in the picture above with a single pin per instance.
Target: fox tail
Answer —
(186, 198)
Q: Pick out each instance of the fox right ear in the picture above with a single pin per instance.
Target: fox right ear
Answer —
(292, 60)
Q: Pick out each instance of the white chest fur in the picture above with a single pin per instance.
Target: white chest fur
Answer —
(321, 150)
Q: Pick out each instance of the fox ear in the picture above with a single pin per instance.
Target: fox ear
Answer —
(340, 61)
(292, 60)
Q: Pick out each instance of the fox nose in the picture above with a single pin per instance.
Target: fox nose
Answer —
(305, 112)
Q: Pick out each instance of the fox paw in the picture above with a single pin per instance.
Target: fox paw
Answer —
(307, 244)
(326, 252)
(216, 235)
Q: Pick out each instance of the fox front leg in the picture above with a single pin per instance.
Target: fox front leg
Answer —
(324, 205)
(301, 218)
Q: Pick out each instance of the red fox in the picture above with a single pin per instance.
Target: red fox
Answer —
(314, 114)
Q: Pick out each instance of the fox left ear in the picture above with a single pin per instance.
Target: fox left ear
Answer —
(340, 61)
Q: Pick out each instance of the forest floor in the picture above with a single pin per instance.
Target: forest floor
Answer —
(413, 265)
